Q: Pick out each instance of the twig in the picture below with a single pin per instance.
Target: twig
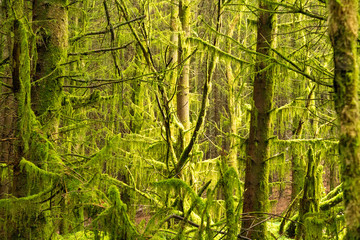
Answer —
(7, 139)
(99, 50)
(107, 30)
(197, 225)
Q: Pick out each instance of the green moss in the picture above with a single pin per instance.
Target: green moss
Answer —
(82, 101)
(114, 220)
(34, 171)
(177, 184)
(343, 32)
(25, 218)
(82, 235)
(313, 223)
(51, 49)
(309, 203)
(229, 179)
(25, 114)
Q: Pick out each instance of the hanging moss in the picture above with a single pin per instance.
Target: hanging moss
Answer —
(113, 181)
(35, 171)
(114, 220)
(177, 184)
(80, 102)
(73, 127)
(23, 217)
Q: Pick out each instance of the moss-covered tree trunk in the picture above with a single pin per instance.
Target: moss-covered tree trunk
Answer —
(182, 95)
(20, 70)
(50, 24)
(174, 39)
(232, 160)
(19, 178)
(7, 106)
(257, 172)
(20, 63)
(343, 30)
(310, 227)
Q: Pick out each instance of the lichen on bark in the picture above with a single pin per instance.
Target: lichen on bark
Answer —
(343, 32)
(50, 23)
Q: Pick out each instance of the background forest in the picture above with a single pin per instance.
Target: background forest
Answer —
(179, 119)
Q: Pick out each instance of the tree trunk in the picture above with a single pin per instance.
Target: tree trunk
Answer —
(20, 62)
(50, 24)
(7, 107)
(182, 95)
(257, 172)
(309, 228)
(174, 39)
(343, 31)
(231, 84)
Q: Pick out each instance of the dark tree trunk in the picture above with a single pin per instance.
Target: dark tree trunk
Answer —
(257, 172)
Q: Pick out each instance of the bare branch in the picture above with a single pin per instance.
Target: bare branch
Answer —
(100, 50)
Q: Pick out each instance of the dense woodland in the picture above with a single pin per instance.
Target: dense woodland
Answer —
(179, 119)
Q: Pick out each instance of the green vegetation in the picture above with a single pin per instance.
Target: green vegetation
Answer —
(179, 119)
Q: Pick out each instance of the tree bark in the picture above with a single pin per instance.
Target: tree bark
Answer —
(174, 39)
(7, 106)
(182, 95)
(308, 228)
(50, 24)
(257, 171)
(20, 62)
(343, 31)
(232, 160)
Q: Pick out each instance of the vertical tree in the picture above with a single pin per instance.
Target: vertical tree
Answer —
(232, 160)
(182, 95)
(50, 24)
(174, 28)
(8, 108)
(308, 228)
(343, 30)
(20, 68)
(257, 173)
(20, 81)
